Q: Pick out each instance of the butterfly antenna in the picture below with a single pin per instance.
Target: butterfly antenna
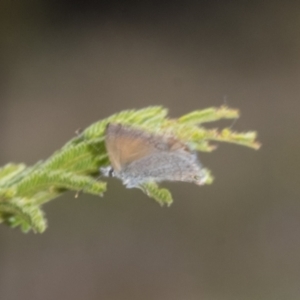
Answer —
(225, 102)
(232, 123)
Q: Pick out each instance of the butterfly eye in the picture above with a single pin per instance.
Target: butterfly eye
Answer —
(111, 172)
(107, 171)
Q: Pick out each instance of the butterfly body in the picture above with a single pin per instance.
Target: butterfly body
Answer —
(138, 157)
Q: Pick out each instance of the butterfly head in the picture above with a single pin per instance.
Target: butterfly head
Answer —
(107, 171)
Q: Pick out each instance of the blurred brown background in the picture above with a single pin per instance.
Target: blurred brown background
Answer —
(67, 64)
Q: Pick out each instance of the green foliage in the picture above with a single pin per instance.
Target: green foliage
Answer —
(162, 196)
(76, 166)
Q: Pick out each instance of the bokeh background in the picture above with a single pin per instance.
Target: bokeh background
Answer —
(66, 64)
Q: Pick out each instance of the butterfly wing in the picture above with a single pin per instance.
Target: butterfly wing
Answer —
(125, 145)
(137, 157)
(179, 165)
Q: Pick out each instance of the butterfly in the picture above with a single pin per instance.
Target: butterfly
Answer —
(138, 157)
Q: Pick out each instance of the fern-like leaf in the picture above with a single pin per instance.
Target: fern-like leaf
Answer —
(162, 196)
(76, 165)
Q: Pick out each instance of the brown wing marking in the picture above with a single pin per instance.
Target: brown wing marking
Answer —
(125, 144)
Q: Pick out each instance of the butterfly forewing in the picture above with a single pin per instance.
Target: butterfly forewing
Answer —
(125, 145)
